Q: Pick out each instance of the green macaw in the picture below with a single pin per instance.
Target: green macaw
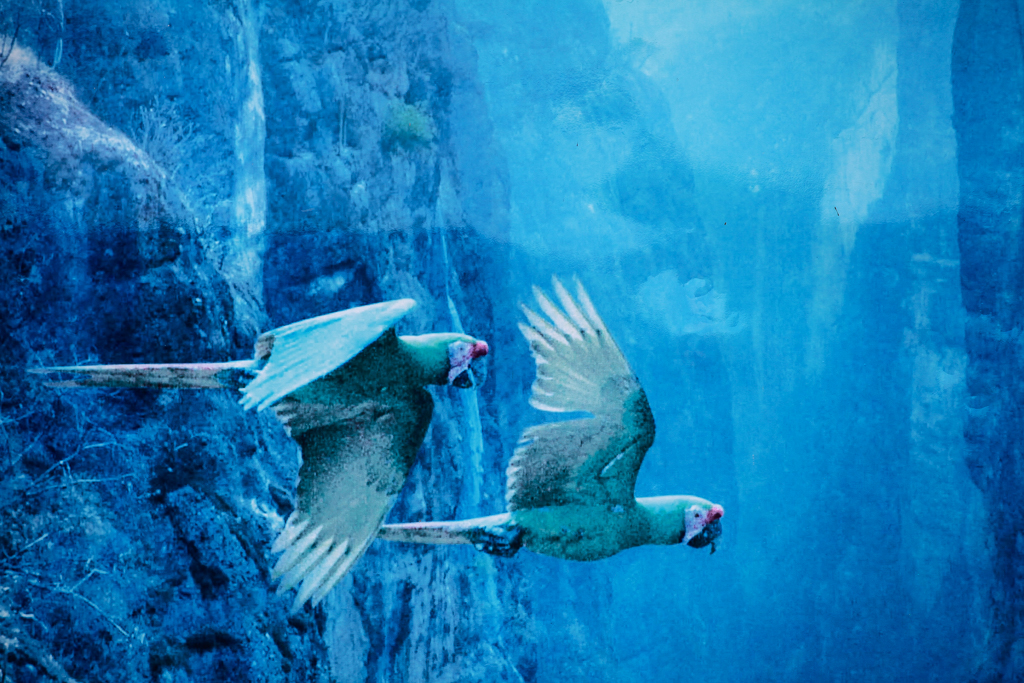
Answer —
(351, 392)
(570, 483)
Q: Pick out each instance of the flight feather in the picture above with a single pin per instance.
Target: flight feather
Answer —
(579, 369)
(303, 352)
(355, 459)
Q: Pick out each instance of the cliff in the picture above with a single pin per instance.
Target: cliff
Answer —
(801, 224)
(185, 160)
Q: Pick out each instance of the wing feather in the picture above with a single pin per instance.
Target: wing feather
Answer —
(288, 536)
(554, 338)
(577, 361)
(573, 310)
(355, 459)
(296, 550)
(305, 351)
(340, 568)
(557, 317)
(535, 337)
(579, 369)
(315, 581)
(297, 570)
(588, 307)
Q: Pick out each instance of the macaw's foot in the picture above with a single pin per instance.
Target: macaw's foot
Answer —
(503, 541)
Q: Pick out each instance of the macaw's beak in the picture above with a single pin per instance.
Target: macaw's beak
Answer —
(466, 380)
(707, 536)
(461, 356)
(707, 528)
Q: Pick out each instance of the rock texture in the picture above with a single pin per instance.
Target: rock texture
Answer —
(988, 76)
(133, 525)
(177, 176)
(366, 205)
(134, 227)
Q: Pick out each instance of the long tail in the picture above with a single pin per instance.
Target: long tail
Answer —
(435, 533)
(495, 534)
(231, 375)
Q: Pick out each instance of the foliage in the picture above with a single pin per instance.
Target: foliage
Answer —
(34, 24)
(407, 126)
(162, 132)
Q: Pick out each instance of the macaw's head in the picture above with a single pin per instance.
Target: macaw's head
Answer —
(701, 524)
(450, 358)
(683, 519)
(465, 367)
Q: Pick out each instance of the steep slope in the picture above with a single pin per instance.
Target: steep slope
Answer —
(134, 525)
(988, 77)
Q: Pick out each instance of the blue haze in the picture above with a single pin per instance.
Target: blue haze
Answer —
(801, 221)
(797, 163)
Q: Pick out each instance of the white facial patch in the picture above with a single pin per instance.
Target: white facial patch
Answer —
(696, 520)
(460, 355)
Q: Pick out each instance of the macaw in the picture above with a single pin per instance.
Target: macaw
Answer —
(570, 484)
(350, 392)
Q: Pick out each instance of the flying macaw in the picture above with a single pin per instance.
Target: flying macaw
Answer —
(570, 483)
(351, 392)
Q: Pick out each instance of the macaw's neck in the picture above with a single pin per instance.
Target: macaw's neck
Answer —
(398, 361)
(665, 516)
(423, 359)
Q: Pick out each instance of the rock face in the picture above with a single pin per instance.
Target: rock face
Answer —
(145, 517)
(988, 74)
(828, 414)
(366, 205)
(134, 525)
(177, 176)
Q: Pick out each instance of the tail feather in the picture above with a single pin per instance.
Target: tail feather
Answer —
(441, 533)
(232, 375)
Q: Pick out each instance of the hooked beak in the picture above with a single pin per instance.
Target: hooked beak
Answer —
(707, 536)
(479, 350)
(466, 380)
(460, 356)
(706, 530)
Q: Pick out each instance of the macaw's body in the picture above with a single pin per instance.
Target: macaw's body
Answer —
(570, 483)
(351, 393)
(568, 532)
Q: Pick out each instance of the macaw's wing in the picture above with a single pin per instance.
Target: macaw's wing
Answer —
(355, 459)
(579, 368)
(305, 351)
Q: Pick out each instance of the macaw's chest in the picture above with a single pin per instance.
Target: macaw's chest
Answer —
(580, 532)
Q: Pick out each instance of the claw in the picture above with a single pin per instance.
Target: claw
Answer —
(497, 540)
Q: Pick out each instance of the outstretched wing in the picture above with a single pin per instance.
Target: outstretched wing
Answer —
(355, 459)
(305, 351)
(579, 368)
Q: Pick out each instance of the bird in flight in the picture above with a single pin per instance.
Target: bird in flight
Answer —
(350, 392)
(570, 484)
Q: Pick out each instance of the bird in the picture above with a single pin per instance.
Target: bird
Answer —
(351, 392)
(570, 483)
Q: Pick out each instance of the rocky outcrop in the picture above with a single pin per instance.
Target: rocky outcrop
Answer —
(133, 525)
(366, 205)
(988, 78)
(149, 244)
